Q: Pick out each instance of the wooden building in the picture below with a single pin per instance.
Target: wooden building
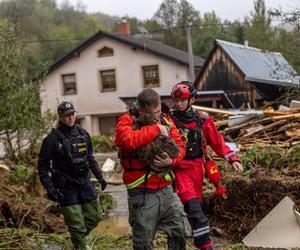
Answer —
(246, 74)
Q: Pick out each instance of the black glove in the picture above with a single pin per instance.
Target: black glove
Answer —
(52, 194)
(103, 184)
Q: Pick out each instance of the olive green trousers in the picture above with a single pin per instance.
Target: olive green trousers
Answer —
(81, 219)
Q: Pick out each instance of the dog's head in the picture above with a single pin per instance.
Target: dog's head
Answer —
(146, 118)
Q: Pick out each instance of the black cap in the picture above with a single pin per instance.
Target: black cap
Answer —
(65, 108)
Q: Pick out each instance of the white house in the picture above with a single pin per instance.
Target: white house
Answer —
(107, 66)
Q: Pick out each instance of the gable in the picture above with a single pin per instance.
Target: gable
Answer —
(220, 72)
(141, 43)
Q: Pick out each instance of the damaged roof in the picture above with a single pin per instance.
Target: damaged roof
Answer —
(261, 66)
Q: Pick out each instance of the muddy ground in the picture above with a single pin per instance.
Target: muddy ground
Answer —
(250, 197)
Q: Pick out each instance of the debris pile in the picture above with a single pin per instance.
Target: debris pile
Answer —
(259, 127)
(280, 128)
(20, 206)
(250, 199)
(269, 144)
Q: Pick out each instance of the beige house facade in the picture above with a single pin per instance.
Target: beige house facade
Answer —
(94, 76)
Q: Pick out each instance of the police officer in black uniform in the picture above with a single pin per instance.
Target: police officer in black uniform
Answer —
(67, 154)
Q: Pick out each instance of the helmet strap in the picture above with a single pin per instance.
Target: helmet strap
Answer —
(188, 105)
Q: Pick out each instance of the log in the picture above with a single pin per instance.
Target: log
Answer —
(264, 128)
(296, 115)
(293, 132)
(212, 110)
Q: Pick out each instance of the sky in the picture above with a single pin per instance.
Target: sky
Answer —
(145, 9)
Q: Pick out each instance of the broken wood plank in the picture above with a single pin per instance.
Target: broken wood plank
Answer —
(212, 110)
(221, 123)
(264, 128)
(293, 132)
(296, 115)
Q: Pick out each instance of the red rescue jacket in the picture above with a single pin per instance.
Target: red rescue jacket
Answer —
(211, 137)
(128, 140)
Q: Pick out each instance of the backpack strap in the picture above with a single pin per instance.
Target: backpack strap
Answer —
(200, 118)
(60, 135)
(65, 142)
(80, 129)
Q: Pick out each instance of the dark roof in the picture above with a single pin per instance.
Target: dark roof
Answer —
(147, 45)
(258, 65)
(261, 66)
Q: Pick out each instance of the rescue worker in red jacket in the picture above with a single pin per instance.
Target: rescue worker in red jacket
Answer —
(152, 203)
(198, 131)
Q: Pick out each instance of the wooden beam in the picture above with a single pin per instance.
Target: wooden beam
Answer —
(212, 110)
(279, 117)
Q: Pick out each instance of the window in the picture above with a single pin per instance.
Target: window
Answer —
(151, 76)
(105, 51)
(108, 80)
(69, 84)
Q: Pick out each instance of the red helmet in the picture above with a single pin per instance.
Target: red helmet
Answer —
(184, 90)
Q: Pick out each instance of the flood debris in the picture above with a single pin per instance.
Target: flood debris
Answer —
(278, 229)
(109, 165)
(261, 127)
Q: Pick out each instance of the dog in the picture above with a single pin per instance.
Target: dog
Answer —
(160, 144)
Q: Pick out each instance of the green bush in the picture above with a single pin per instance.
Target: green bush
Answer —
(107, 202)
(103, 143)
(293, 155)
(271, 156)
(20, 174)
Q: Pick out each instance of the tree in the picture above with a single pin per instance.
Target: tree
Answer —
(291, 17)
(20, 123)
(187, 16)
(258, 30)
(174, 17)
(287, 42)
(51, 31)
(167, 14)
(211, 29)
(235, 32)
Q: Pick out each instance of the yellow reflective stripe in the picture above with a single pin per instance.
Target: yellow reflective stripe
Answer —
(169, 176)
(138, 181)
(166, 121)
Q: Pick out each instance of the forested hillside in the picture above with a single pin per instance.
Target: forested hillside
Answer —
(49, 30)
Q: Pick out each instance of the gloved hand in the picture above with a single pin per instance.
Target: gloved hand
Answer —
(103, 184)
(221, 191)
(238, 166)
(52, 194)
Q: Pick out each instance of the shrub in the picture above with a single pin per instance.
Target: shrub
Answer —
(103, 143)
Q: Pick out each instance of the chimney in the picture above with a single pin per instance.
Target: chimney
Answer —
(123, 27)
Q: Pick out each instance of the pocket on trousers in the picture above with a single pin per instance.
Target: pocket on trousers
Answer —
(185, 222)
(135, 207)
(136, 202)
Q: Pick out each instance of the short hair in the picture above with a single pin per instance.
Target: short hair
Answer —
(148, 97)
